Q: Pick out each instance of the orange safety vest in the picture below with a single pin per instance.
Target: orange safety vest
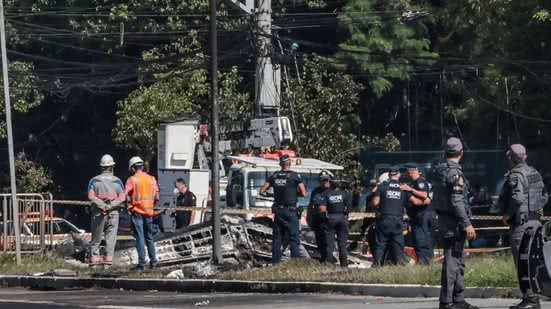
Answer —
(143, 194)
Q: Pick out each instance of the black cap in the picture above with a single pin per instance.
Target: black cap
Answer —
(393, 170)
(412, 166)
(324, 175)
(284, 158)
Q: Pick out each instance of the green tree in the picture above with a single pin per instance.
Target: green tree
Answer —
(32, 177)
(381, 46)
(325, 105)
(23, 93)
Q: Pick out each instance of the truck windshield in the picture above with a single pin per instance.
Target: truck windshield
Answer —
(256, 180)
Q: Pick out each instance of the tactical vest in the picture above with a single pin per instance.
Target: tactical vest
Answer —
(533, 189)
(392, 199)
(441, 193)
(336, 202)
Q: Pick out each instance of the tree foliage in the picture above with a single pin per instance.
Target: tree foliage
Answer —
(23, 94)
(380, 45)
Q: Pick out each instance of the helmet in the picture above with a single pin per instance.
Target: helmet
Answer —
(135, 161)
(106, 161)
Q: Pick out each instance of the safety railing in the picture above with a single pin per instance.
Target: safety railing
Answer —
(35, 228)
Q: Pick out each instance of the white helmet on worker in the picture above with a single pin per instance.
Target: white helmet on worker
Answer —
(106, 161)
(135, 161)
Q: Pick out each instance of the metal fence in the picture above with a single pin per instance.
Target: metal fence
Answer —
(35, 224)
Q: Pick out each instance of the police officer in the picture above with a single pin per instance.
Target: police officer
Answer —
(286, 185)
(335, 205)
(451, 203)
(389, 226)
(419, 215)
(316, 220)
(522, 196)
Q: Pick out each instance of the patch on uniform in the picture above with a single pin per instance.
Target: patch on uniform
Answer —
(421, 185)
(458, 184)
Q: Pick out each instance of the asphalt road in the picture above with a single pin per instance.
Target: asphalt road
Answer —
(19, 298)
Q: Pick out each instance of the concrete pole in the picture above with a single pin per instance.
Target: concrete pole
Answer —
(15, 205)
(215, 164)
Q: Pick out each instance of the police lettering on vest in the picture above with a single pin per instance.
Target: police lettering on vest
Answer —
(337, 201)
(285, 184)
(393, 199)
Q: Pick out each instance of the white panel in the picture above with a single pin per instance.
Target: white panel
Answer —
(179, 144)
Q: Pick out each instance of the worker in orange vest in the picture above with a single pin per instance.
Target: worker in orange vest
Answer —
(143, 192)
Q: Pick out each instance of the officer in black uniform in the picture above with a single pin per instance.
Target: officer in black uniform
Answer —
(522, 198)
(419, 215)
(185, 198)
(389, 229)
(452, 205)
(336, 204)
(287, 186)
(317, 220)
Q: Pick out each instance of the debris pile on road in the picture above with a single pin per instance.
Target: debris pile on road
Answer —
(245, 244)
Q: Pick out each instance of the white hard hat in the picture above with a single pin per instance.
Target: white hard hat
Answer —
(106, 161)
(384, 177)
(135, 160)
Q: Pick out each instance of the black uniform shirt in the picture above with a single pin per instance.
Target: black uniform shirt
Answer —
(186, 199)
(316, 199)
(285, 184)
(337, 201)
(421, 184)
(393, 199)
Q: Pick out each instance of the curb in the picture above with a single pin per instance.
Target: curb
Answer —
(210, 286)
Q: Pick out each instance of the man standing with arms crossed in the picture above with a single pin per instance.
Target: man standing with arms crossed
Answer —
(451, 203)
(522, 197)
(106, 192)
(143, 192)
(287, 185)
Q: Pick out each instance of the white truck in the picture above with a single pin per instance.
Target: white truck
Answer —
(183, 153)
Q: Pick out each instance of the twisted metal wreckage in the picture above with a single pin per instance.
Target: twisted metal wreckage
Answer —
(243, 242)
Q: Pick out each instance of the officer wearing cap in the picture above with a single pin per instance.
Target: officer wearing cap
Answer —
(522, 197)
(451, 203)
(287, 185)
(335, 205)
(389, 226)
(316, 220)
(419, 215)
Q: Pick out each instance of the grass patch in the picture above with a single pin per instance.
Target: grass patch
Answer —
(29, 264)
(484, 271)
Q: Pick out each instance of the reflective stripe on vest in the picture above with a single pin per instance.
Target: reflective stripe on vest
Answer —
(143, 195)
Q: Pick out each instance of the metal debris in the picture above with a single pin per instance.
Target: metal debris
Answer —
(245, 244)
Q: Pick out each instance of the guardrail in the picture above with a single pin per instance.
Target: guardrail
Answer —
(34, 229)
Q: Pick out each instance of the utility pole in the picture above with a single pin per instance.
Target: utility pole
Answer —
(267, 78)
(215, 168)
(15, 205)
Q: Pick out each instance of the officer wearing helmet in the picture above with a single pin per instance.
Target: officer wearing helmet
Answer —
(316, 220)
(106, 192)
(336, 204)
(143, 192)
(287, 186)
(522, 198)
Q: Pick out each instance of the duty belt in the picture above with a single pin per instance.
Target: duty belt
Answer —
(290, 207)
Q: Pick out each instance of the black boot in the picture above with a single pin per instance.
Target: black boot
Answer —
(446, 306)
(527, 303)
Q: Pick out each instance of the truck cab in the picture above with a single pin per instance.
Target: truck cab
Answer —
(249, 174)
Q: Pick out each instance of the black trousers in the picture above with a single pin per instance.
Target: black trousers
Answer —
(337, 224)
(421, 230)
(389, 240)
(318, 224)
